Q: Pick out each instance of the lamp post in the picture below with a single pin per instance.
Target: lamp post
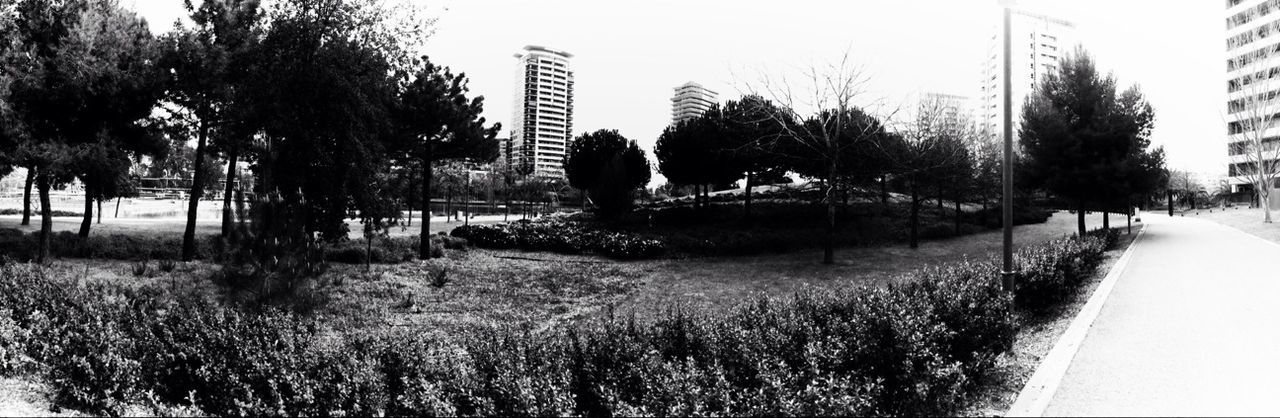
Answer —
(1006, 272)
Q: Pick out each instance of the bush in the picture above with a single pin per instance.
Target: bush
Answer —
(20, 246)
(1046, 275)
(561, 236)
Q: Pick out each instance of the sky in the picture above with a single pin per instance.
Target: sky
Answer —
(629, 55)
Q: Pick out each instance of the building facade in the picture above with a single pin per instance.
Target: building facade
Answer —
(1252, 82)
(690, 101)
(542, 117)
(1037, 43)
(953, 110)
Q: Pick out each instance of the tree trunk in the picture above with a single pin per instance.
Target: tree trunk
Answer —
(448, 204)
(914, 238)
(466, 207)
(227, 227)
(410, 199)
(424, 242)
(88, 212)
(1263, 200)
(99, 211)
(957, 215)
(46, 217)
(746, 202)
(1170, 194)
(368, 250)
(1080, 218)
(829, 246)
(26, 196)
(197, 189)
(1106, 220)
(118, 206)
(884, 190)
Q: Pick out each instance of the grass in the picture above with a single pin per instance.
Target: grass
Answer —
(1243, 218)
(721, 282)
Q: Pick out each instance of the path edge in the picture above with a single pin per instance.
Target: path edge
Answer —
(1043, 384)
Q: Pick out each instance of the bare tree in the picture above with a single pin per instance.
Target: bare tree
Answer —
(820, 122)
(934, 154)
(1251, 124)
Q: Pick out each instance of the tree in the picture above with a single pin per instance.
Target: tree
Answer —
(1077, 136)
(92, 82)
(695, 152)
(751, 141)
(436, 121)
(1254, 148)
(933, 155)
(816, 143)
(201, 61)
(609, 167)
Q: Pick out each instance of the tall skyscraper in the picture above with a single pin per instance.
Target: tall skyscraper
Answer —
(690, 101)
(1253, 66)
(1037, 42)
(542, 118)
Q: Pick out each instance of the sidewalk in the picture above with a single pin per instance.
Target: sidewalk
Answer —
(1191, 328)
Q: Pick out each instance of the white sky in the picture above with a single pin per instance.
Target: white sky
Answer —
(628, 55)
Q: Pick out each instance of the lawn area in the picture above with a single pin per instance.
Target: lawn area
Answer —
(1243, 218)
(723, 281)
(541, 289)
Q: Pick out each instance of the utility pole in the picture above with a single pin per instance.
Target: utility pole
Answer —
(1006, 272)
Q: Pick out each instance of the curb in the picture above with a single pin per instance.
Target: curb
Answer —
(1039, 390)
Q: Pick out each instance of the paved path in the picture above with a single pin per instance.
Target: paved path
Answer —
(1192, 328)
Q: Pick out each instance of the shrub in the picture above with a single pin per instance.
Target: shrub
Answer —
(1047, 274)
(167, 265)
(140, 268)
(560, 236)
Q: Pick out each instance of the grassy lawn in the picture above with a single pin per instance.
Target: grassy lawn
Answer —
(723, 281)
(541, 289)
(1243, 218)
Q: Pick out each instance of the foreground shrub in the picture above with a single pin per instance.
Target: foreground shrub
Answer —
(1046, 275)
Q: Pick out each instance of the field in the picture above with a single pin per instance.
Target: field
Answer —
(511, 286)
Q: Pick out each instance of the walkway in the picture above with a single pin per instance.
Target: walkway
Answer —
(1191, 328)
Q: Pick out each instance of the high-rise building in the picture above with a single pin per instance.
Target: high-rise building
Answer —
(1037, 43)
(542, 118)
(953, 110)
(690, 101)
(1253, 81)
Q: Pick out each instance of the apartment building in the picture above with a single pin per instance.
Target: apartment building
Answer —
(542, 118)
(690, 101)
(1037, 43)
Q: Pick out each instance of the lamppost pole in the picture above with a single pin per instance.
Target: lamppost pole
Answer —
(1006, 272)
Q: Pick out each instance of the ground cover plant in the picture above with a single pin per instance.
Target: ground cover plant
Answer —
(913, 348)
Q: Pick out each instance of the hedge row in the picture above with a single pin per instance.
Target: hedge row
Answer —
(22, 246)
(560, 236)
(912, 349)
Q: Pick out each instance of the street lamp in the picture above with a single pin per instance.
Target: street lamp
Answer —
(1006, 272)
